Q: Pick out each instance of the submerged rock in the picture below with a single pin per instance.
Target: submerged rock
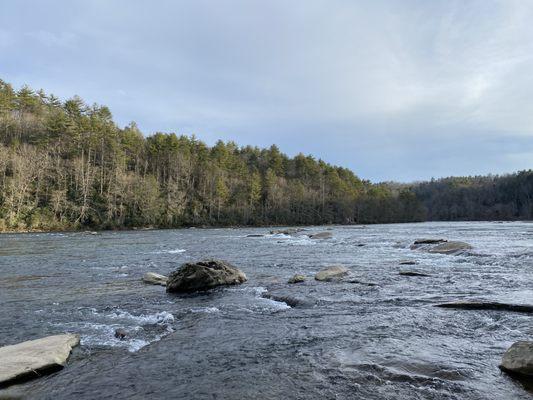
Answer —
(440, 246)
(296, 279)
(291, 298)
(203, 275)
(289, 231)
(120, 334)
(155, 279)
(412, 273)
(474, 305)
(357, 281)
(429, 241)
(321, 235)
(450, 248)
(291, 301)
(331, 273)
(518, 359)
(254, 235)
(34, 358)
(408, 262)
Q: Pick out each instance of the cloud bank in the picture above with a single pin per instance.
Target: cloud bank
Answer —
(393, 90)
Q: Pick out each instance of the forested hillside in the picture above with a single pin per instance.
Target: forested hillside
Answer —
(508, 197)
(67, 165)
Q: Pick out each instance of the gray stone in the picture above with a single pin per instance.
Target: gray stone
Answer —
(450, 248)
(429, 241)
(155, 279)
(331, 273)
(321, 235)
(120, 334)
(33, 358)
(203, 275)
(518, 359)
(296, 279)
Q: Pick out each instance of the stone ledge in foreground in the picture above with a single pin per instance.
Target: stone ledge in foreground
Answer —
(34, 358)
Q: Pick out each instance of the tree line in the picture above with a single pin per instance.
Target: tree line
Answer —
(67, 165)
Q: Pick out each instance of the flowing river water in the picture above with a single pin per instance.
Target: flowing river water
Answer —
(341, 340)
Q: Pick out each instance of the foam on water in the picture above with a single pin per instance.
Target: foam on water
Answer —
(163, 317)
(170, 251)
(207, 310)
(97, 329)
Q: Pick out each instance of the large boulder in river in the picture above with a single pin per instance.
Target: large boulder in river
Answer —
(30, 359)
(155, 279)
(203, 275)
(518, 359)
(331, 274)
(440, 246)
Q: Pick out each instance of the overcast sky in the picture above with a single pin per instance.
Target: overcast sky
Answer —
(394, 90)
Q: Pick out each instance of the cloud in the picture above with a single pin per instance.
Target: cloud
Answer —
(394, 90)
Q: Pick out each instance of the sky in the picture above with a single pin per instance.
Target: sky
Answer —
(394, 90)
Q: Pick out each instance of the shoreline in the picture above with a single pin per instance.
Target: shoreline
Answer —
(89, 230)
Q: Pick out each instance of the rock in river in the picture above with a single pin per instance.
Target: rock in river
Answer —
(331, 273)
(412, 273)
(296, 279)
(155, 279)
(33, 358)
(481, 305)
(321, 235)
(518, 359)
(289, 231)
(121, 334)
(203, 275)
(440, 246)
(429, 241)
(408, 262)
(450, 248)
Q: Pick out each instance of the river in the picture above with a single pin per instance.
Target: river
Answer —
(343, 341)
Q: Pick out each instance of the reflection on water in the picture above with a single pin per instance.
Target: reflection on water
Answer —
(338, 340)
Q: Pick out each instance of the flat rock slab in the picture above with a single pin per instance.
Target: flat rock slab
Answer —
(474, 305)
(33, 358)
(408, 262)
(321, 235)
(155, 279)
(441, 246)
(412, 273)
(450, 248)
(429, 241)
(331, 274)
